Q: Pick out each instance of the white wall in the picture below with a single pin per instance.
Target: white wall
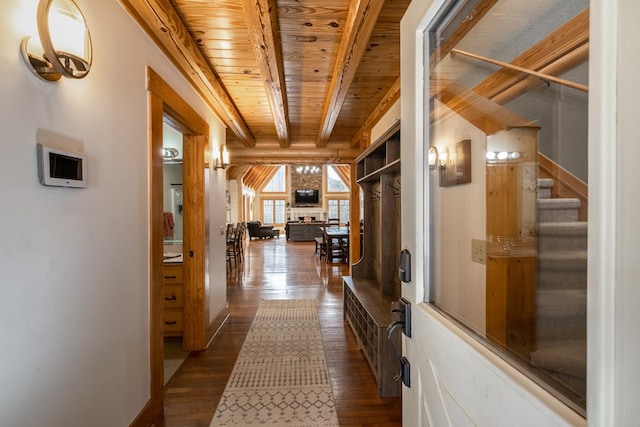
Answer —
(460, 286)
(74, 263)
(386, 122)
(216, 215)
(232, 214)
(251, 196)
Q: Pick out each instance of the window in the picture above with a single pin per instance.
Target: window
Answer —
(335, 184)
(338, 208)
(273, 211)
(277, 183)
(502, 259)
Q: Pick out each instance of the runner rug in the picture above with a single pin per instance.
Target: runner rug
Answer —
(281, 376)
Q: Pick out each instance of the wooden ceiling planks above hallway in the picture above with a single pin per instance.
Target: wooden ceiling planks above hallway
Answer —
(284, 76)
(361, 20)
(163, 24)
(304, 82)
(259, 176)
(262, 21)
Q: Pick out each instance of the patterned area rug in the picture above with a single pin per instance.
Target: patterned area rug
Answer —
(281, 376)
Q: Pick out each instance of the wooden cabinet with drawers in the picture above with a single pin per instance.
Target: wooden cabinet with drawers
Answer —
(173, 299)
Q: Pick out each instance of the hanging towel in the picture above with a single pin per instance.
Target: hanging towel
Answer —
(168, 224)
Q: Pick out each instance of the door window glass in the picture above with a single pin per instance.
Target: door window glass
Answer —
(507, 136)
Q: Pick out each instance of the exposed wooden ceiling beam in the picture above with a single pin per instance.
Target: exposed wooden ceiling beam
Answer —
(300, 156)
(230, 172)
(162, 23)
(250, 178)
(470, 21)
(262, 22)
(523, 70)
(479, 111)
(237, 172)
(567, 62)
(362, 138)
(558, 52)
(258, 176)
(270, 173)
(261, 177)
(555, 46)
(361, 20)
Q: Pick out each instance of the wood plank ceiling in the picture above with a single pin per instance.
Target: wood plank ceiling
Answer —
(295, 82)
(302, 82)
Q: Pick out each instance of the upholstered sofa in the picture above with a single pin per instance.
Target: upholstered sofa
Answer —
(259, 231)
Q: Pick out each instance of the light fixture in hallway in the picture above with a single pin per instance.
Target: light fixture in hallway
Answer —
(64, 44)
(308, 170)
(221, 160)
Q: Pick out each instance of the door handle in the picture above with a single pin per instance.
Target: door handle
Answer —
(402, 310)
(404, 372)
(404, 266)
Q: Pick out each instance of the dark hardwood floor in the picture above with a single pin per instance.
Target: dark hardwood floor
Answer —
(277, 269)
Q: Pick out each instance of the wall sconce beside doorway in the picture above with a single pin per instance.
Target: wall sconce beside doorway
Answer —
(443, 159)
(221, 160)
(64, 48)
(432, 157)
(455, 164)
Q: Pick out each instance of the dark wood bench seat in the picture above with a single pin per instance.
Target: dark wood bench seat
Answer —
(369, 314)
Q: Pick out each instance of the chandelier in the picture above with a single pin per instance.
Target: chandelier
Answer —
(308, 170)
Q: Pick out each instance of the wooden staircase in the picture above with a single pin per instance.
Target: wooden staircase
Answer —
(561, 297)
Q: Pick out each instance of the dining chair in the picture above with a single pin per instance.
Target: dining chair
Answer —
(231, 245)
(238, 239)
(321, 243)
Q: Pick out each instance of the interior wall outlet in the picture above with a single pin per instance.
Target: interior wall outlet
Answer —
(479, 251)
(223, 230)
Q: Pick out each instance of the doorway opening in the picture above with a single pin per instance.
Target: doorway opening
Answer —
(165, 105)
(174, 353)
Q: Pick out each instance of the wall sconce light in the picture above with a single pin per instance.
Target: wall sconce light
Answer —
(64, 48)
(432, 157)
(170, 155)
(221, 161)
(443, 159)
(493, 156)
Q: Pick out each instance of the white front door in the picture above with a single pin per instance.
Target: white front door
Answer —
(456, 378)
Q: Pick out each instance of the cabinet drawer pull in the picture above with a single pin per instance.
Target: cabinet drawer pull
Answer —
(170, 277)
(171, 298)
(171, 323)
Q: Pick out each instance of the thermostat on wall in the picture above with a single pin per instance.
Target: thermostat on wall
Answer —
(59, 168)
